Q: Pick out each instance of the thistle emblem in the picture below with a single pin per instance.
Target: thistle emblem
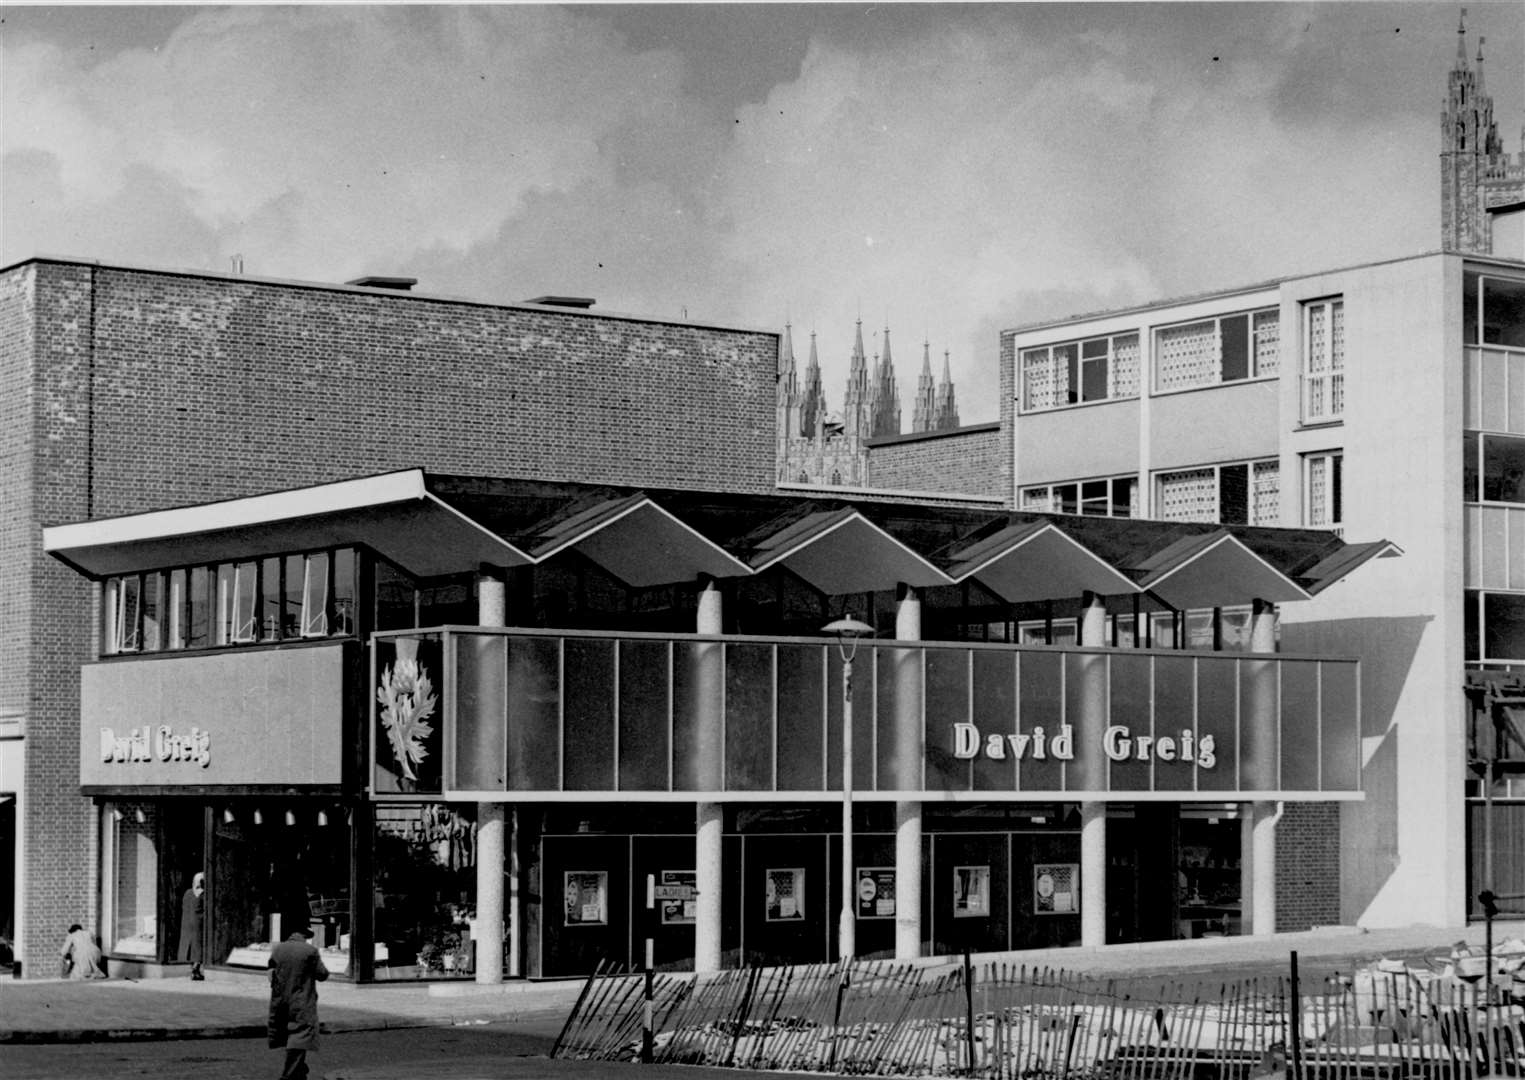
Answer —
(407, 701)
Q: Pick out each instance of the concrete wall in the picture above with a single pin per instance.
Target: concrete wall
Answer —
(124, 390)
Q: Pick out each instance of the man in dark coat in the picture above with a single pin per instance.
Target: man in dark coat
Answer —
(296, 968)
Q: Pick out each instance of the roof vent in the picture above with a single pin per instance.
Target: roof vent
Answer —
(375, 281)
(564, 301)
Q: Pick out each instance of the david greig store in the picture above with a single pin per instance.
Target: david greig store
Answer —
(443, 719)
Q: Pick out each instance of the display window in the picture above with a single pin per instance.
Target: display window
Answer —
(586, 897)
(784, 894)
(152, 851)
(971, 892)
(681, 912)
(875, 892)
(424, 863)
(274, 867)
(1056, 888)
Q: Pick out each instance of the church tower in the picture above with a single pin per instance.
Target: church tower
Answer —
(1478, 180)
(812, 397)
(884, 395)
(857, 421)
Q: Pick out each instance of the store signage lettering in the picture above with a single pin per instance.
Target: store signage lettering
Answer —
(1117, 742)
(148, 743)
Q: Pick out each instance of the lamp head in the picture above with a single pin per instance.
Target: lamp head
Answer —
(847, 631)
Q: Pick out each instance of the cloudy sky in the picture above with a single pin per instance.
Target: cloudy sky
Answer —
(946, 170)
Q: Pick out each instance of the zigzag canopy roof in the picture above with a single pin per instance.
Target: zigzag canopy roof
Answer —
(434, 524)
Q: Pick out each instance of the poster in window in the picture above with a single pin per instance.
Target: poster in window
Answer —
(679, 912)
(876, 892)
(1054, 888)
(971, 892)
(586, 893)
(785, 894)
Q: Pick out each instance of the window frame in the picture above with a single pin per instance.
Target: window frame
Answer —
(1324, 384)
(1255, 469)
(1054, 503)
(1476, 481)
(1078, 366)
(1254, 331)
(1334, 501)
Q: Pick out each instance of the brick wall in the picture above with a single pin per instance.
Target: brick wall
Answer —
(152, 389)
(965, 461)
(1308, 866)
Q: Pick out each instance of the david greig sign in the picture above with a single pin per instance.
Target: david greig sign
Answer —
(1118, 743)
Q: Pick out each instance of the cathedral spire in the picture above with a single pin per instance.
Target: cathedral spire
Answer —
(946, 415)
(812, 397)
(1461, 41)
(923, 413)
(884, 400)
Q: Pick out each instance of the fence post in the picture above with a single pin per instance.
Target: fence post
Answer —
(647, 1036)
(1296, 1031)
(969, 1008)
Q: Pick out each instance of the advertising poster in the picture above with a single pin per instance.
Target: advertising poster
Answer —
(679, 912)
(876, 892)
(1055, 889)
(586, 893)
(971, 892)
(785, 897)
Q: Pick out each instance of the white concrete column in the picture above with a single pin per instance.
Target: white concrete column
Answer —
(490, 849)
(1093, 815)
(707, 866)
(492, 610)
(1093, 874)
(910, 738)
(1259, 754)
(1263, 889)
(709, 816)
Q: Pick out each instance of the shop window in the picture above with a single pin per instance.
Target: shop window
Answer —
(1495, 627)
(1323, 361)
(199, 606)
(1075, 372)
(585, 898)
(1047, 632)
(1208, 352)
(134, 883)
(1493, 468)
(784, 894)
(1246, 493)
(1494, 311)
(1115, 497)
(971, 892)
(1323, 491)
(425, 891)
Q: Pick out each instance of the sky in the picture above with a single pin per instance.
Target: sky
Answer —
(941, 170)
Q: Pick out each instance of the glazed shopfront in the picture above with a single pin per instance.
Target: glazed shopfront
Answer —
(442, 720)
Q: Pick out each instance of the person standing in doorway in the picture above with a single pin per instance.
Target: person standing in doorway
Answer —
(296, 968)
(192, 911)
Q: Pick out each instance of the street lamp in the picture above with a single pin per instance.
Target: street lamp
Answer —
(847, 630)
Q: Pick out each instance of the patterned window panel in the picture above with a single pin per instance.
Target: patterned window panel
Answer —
(1189, 496)
(1318, 491)
(1267, 342)
(1188, 355)
(1125, 366)
(1037, 500)
(1037, 379)
(1266, 505)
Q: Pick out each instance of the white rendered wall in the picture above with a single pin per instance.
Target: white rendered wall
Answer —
(1403, 848)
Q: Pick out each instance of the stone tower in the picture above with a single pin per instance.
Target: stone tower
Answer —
(1478, 180)
(884, 395)
(945, 416)
(924, 412)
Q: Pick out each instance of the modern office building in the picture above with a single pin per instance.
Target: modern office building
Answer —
(1381, 400)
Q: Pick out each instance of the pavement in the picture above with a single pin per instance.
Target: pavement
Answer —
(231, 1004)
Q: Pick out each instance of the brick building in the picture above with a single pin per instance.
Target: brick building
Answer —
(127, 389)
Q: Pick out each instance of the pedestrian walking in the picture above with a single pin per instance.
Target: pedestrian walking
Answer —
(192, 910)
(81, 955)
(296, 968)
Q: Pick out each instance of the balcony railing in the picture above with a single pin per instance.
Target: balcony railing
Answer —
(465, 711)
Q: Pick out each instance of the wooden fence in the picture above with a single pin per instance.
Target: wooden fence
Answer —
(1003, 1021)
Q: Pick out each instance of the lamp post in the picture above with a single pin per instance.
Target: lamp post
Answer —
(847, 630)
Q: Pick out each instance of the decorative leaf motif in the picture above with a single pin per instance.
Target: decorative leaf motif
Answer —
(407, 701)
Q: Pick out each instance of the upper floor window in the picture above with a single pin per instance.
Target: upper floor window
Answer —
(1494, 627)
(1493, 468)
(1493, 311)
(1218, 350)
(1096, 369)
(1323, 361)
(1117, 497)
(1246, 493)
(1323, 491)
(235, 603)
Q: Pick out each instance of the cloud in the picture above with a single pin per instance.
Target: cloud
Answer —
(947, 170)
